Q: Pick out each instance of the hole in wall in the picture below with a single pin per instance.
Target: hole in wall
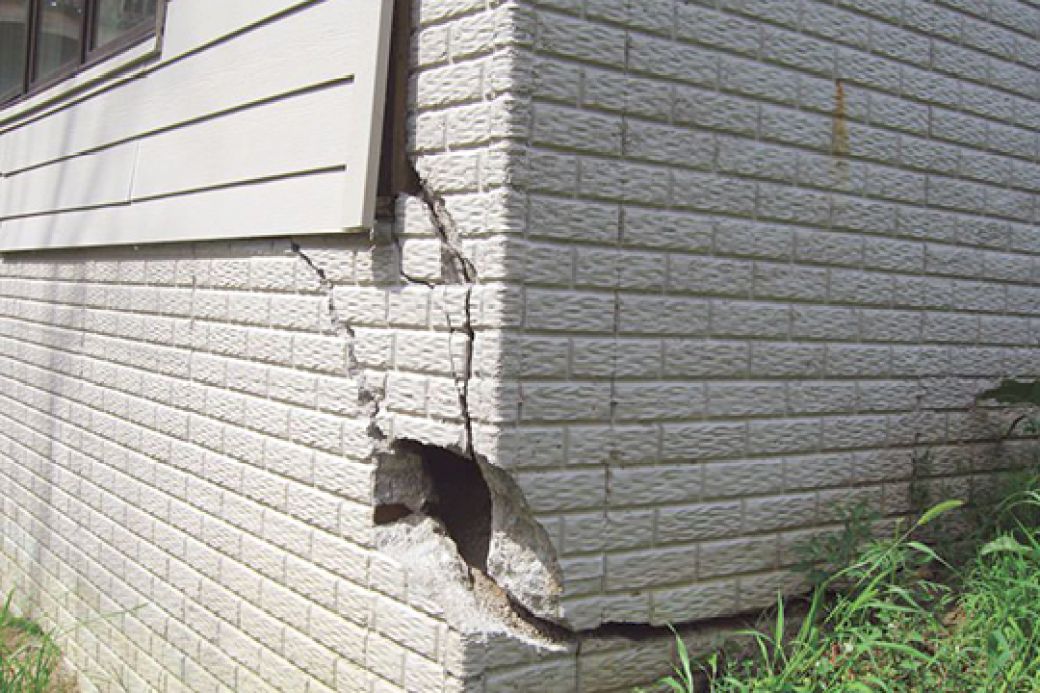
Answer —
(436, 482)
(390, 512)
(481, 511)
(462, 501)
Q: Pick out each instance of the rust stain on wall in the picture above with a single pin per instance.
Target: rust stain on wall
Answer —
(839, 127)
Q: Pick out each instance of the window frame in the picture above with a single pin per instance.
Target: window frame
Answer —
(88, 57)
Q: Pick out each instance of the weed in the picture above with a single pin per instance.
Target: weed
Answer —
(823, 555)
(860, 639)
(880, 620)
(29, 657)
(894, 628)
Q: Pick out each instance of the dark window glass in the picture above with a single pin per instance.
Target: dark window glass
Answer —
(59, 37)
(42, 41)
(119, 18)
(14, 17)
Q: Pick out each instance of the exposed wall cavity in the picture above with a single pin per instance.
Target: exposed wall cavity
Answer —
(482, 511)
(462, 501)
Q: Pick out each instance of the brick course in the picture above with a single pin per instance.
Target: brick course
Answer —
(811, 221)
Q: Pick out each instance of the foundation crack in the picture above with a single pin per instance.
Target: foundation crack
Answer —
(366, 394)
(458, 269)
(328, 286)
(478, 552)
(444, 226)
(461, 522)
(467, 374)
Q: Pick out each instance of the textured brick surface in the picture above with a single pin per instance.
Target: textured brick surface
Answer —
(736, 262)
(184, 471)
(799, 244)
(187, 432)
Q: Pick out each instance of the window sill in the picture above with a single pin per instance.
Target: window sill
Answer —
(88, 80)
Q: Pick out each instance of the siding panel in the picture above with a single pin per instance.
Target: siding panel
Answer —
(285, 137)
(224, 212)
(297, 94)
(266, 63)
(82, 181)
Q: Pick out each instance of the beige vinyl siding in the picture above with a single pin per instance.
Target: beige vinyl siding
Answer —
(246, 95)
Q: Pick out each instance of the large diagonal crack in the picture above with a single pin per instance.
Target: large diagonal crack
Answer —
(341, 326)
(495, 596)
(457, 269)
(366, 394)
(420, 529)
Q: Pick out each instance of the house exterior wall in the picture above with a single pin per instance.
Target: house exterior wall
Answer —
(771, 251)
(188, 440)
(184, 464)
(692, 277)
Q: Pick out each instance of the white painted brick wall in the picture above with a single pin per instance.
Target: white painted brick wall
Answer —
(185, 431)
(792, 241)
(182, 470)
(720, 296)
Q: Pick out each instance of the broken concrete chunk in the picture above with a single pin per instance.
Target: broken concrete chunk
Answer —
(482, 513)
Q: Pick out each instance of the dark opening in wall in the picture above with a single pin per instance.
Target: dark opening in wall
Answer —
(438, 483)
(462, 502)
(480, 508)
(390, 512)
(396, 174)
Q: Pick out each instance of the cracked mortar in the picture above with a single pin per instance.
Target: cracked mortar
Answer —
(456, 268)
(425, 495)
(461, 523)
(367, 395)
(509, 552)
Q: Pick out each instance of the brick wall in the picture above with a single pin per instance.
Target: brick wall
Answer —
(187, 463)
(686, 278)
(189, 434)
(771, 249)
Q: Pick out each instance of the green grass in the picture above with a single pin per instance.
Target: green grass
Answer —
(898, 618)
(29, 658)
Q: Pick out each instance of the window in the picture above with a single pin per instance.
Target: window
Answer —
(43, 41)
